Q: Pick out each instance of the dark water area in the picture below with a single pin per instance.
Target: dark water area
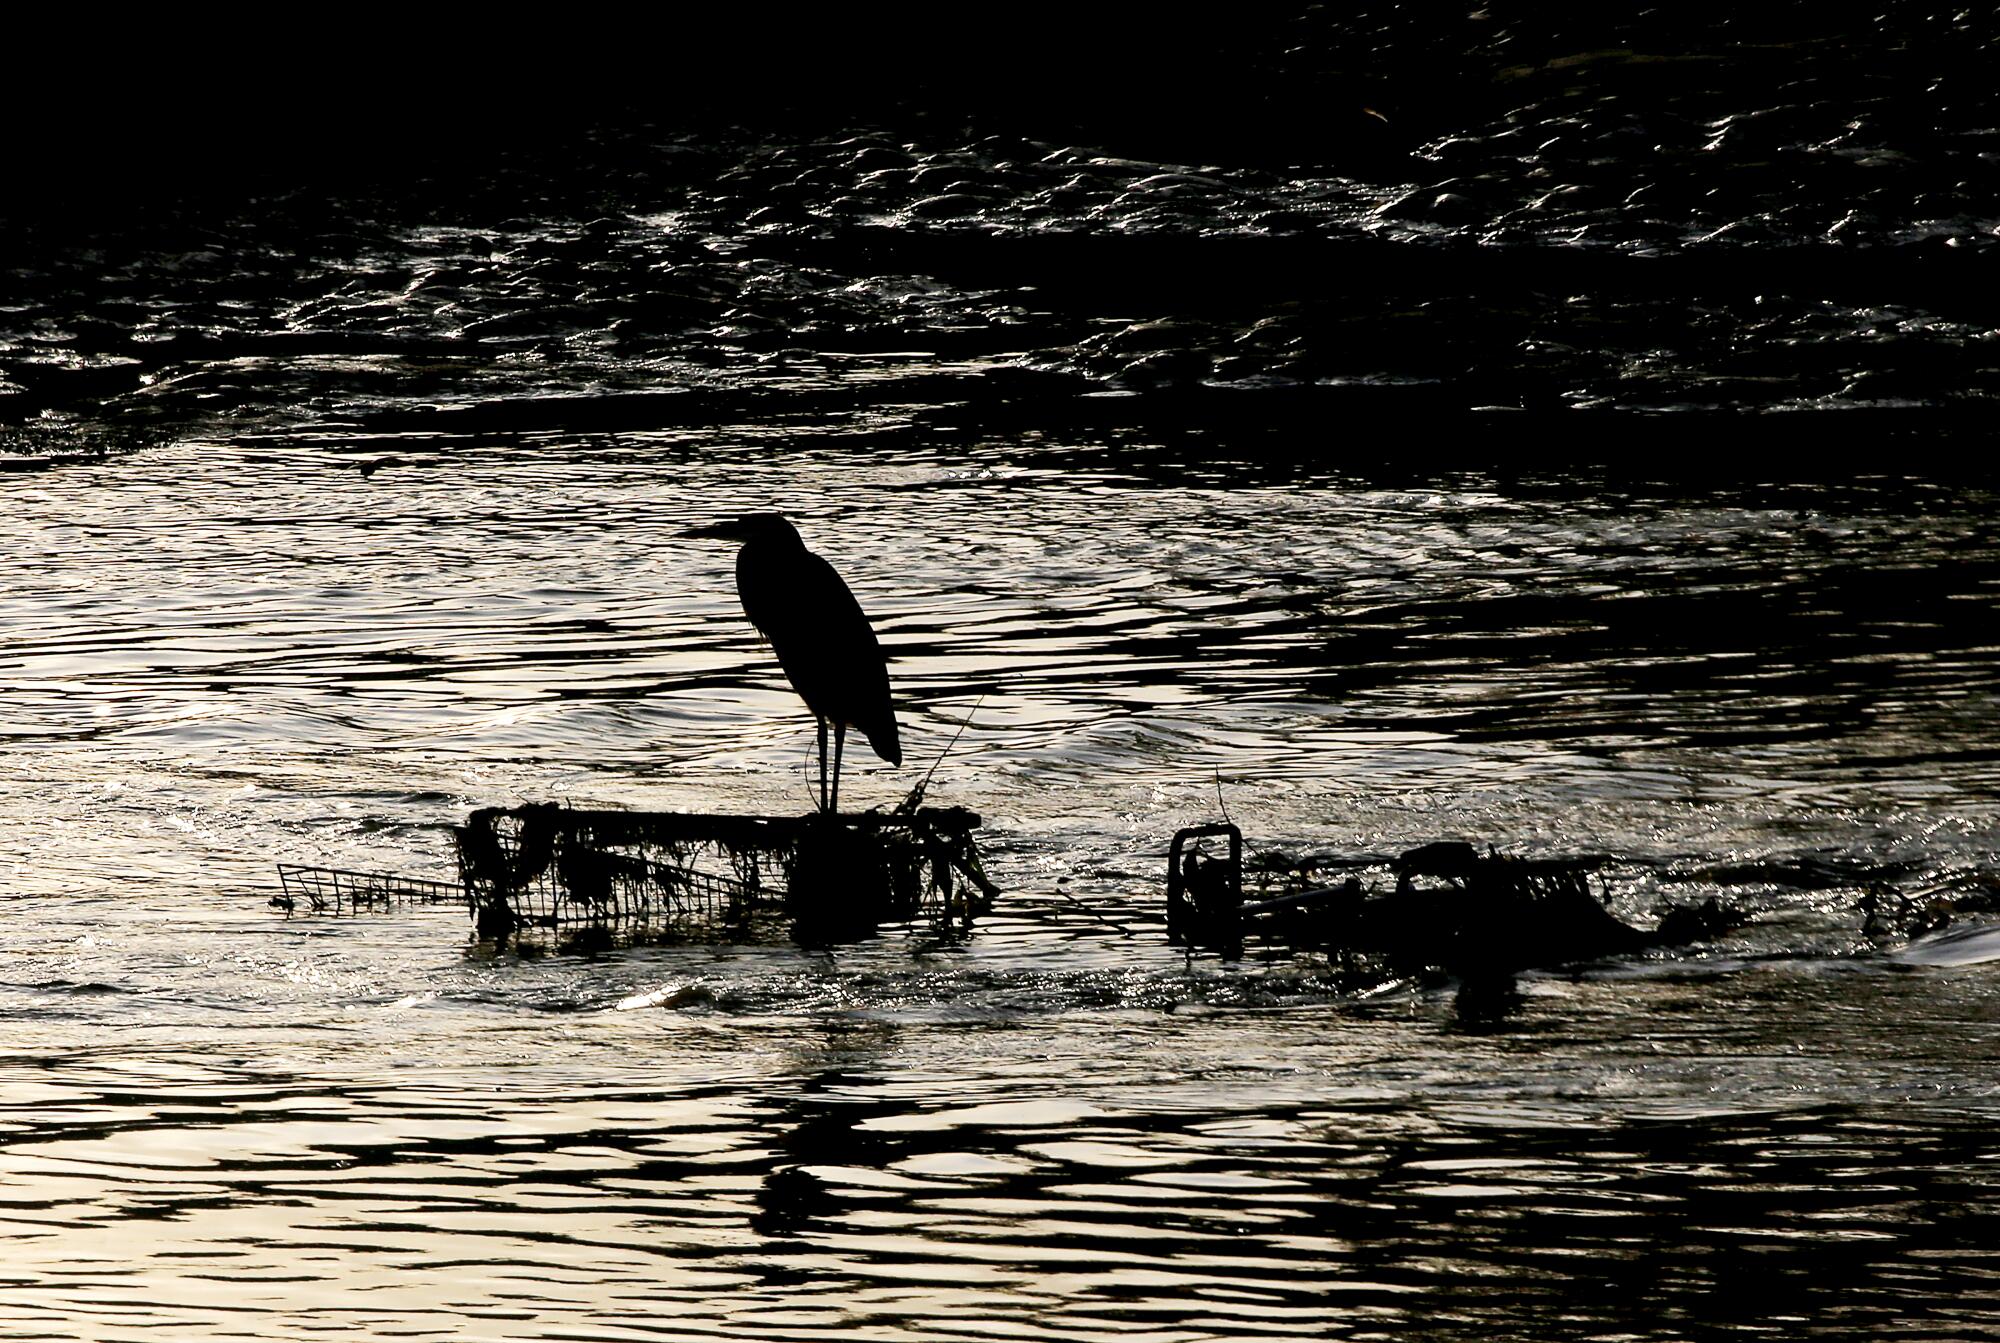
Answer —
(1565, 431)
(1386, 220)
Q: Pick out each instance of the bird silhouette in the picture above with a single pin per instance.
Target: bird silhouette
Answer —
(822, 638)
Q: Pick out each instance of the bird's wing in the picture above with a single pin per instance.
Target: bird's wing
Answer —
(823, 641)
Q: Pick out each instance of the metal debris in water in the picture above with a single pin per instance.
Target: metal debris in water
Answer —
(1452, 908)
(547, 872)
(334, 890)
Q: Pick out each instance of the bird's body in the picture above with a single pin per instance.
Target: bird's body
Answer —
(822, 638)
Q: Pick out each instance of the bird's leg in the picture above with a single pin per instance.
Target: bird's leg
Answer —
(839, 743)
(822, 760)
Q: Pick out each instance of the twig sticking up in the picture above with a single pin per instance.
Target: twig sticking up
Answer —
(916, 797)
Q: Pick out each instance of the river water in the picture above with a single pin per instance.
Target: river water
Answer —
(337, 514)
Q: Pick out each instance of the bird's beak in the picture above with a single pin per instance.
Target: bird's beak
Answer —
(715, 531)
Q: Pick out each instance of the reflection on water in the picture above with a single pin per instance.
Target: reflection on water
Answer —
(336, 509)
(1221, 1176)
(220, 1122)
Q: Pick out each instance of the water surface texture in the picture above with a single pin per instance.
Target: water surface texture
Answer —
(1206, 475)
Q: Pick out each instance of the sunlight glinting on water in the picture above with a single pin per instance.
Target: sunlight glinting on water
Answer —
(219, 1122)
(352, 593)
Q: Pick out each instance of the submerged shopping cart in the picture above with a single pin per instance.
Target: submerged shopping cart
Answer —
(553, 873)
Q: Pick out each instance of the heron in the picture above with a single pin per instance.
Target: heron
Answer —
(822, 638)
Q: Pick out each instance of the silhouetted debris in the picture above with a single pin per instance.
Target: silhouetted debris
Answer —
(330, 890)
(1684, 924)
(543, 872)
(1474, 915)
(1890, 916)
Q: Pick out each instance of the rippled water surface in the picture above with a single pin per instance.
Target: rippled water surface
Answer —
(1307, 475)
(230, 1124)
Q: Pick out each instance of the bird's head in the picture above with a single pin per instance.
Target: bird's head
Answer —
(765, 527)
